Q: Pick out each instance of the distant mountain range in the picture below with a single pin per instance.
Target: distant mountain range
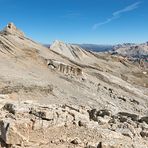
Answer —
(92, 47)
(133, 50)
(126, 49)
(96, 47)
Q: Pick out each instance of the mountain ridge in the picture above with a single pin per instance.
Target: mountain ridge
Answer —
(49, 93)
(132, 49)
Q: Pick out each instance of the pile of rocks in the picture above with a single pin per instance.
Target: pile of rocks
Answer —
(24, 124)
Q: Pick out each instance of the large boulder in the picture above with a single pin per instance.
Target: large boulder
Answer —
(15, 132)
(16, 108)
(94, 113)
(134, 117)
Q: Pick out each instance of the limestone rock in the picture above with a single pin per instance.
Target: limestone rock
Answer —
(38, 124)
(33, 123)
(13, 132)
(76, 141)
(144, 119)
(102, 121)
(144, 133)
(106, 145)
(134, 117)
(102, 113)
(10, 107)
(64, 68)
(72, 52)
(11, 29)
(16, 108)
(125, 131)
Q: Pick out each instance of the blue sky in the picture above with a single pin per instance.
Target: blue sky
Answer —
(78, 21)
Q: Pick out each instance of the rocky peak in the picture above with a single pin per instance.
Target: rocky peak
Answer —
(58, 43)
(12, 29)
(71, 51)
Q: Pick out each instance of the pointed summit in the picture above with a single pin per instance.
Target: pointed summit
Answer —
(71, 51)
(12, 29)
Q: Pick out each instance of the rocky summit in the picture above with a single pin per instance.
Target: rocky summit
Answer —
(11, 29)
(67, 97)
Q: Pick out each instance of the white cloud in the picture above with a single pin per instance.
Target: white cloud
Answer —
(117, 14)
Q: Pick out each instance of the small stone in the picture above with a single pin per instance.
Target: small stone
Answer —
(102, 121)
(144, 119)
(127, 132)
(76, 141)
(10, 107)
(104, 112)
(144, 133)
(82, 123)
